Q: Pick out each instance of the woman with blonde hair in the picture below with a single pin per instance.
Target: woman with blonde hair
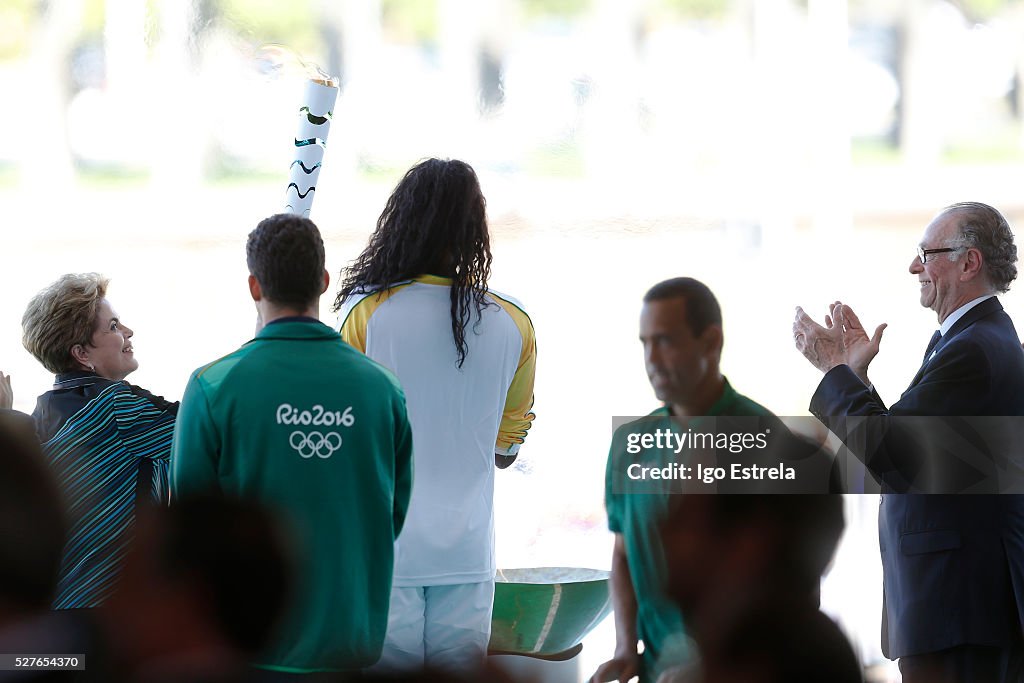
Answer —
(109, 441)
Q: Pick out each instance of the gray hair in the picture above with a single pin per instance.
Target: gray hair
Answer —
(983, 228)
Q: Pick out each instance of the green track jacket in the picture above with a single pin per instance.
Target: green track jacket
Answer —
(303, 422)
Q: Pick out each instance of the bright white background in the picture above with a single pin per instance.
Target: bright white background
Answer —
(783, 152)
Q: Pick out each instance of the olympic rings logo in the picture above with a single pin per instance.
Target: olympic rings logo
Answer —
(315, 443)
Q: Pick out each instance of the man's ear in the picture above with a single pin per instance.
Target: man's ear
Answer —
(254, 288)
(973, 264)
(713, 339)
(327, 281)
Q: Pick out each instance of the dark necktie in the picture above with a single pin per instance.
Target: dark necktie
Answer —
(931, 345)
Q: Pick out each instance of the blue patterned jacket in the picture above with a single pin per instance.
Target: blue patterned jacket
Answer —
(110, 445)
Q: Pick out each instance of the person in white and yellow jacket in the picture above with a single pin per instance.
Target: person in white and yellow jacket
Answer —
(416, 301)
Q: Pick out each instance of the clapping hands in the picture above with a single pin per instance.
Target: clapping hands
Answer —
(841, 341)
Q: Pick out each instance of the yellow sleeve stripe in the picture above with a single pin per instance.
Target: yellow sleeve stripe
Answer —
(518, 415)
(353, 327)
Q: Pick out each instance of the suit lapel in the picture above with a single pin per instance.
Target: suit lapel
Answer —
(982, 310)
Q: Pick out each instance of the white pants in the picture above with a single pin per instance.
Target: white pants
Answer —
(443, 627)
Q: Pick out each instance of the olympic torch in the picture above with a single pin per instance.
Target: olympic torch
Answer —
(314, 123)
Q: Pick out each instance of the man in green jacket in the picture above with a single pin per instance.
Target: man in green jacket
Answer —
(307, 425)
(681, 333)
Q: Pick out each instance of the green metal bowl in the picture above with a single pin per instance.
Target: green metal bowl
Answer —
(546, 611)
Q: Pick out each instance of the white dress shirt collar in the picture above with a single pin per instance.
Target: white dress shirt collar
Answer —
(960, 312)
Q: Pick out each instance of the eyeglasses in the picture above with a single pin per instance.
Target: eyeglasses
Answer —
(922, 253)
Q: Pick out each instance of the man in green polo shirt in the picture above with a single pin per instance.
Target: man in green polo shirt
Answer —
(681, 332)
(307, 425)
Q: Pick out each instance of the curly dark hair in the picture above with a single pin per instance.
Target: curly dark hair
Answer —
(286, 255)
(433, 223)
(984, 228)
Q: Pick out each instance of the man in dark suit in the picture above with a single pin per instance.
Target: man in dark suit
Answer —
(953, 565)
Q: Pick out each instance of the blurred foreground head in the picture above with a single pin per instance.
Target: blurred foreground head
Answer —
(32, 523)
(207, 574)
(742, 545)
(745, 571)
